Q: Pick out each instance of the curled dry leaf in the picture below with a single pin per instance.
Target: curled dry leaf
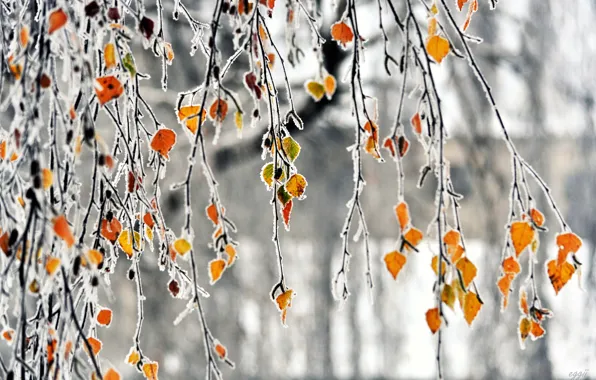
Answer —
(284, 301)
(212, 214)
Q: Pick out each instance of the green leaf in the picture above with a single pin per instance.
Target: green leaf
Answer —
(267, 174)
(291, 147)
(283, 196)
(129, 64)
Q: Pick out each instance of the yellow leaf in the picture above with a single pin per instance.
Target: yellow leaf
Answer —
(284, 301)
(448, 295)
(315, 89)
(182, 246)
(109, 55)
(330, 86)
(437, 47)
(296, 185)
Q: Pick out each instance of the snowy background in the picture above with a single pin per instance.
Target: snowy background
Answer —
(538, 56)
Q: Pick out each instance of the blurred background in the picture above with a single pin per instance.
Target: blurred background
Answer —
(538, 56)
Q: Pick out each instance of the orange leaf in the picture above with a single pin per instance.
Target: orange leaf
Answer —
(342, 33)
(150, 370)
(24, 36)
(389, 145)
(111, 229)
(456, 253)
(212, 214)
(567, 242)
(218, 110)
(7, 335)
(47, 178)
(111, 374)
(416, 123)
(231, 252)
(523, 301)
(437, 47)
(52, 264)
(504, 285)
(559, 275)
(221, 350)
(133, 357)
(537, 217)
(284, 301)
(330, 86)
(461, 3)
(95, 344)
(216, 268)
(472, 306)
(413, 236)
(432, 26)
(372, 147)
(536, 330)
(104, 317)
(451, 238)
(62, 230)
(163, 141)
(148, 220)
(510, 265)
(402, 214)
(108, 88)
(433, 319)
(56, 20)
(190, 115)
(394, 261)
(94, 256)
(522, 235)
(467, 269)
